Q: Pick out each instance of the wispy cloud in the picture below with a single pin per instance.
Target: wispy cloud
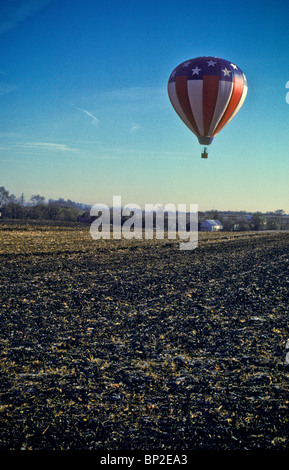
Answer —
(49, 146)
(134, 128)
(129, 98)
(95, 120)
(13, 12)
(133, 93)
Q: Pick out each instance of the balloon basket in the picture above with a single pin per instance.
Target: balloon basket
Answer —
(204, 153)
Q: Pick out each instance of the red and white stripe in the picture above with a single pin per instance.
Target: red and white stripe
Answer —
(209, 104)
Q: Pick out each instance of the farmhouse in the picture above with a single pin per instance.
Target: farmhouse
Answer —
(211, 225)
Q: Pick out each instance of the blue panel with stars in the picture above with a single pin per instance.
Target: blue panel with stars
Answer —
(195, 69)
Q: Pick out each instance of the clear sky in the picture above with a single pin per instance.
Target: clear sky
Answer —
(85, 113)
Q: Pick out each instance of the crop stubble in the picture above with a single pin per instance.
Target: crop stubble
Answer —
(138, 345)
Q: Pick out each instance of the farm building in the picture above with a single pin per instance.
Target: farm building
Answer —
(210, 225)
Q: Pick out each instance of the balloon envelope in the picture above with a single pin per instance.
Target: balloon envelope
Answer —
(207, 92)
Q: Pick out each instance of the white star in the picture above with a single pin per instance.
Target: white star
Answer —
(186, 64)
(226, 72)
(235, 66)
(196, 70)
(211, 63)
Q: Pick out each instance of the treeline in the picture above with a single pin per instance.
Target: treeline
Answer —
(37, 209)
(69, 211)
(242, 221)
(49, 211)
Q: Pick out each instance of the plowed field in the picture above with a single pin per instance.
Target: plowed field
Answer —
(137, 345)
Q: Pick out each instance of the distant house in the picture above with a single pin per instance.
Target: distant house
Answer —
(210, 225)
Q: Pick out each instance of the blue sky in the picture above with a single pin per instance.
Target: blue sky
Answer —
(85, 113)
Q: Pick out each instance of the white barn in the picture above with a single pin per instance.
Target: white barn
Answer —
(210, 225)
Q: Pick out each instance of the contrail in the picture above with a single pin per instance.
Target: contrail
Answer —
(94, 118)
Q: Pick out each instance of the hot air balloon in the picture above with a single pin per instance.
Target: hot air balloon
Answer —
(207, 92)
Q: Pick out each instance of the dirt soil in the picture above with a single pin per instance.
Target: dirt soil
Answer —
(139, 345)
